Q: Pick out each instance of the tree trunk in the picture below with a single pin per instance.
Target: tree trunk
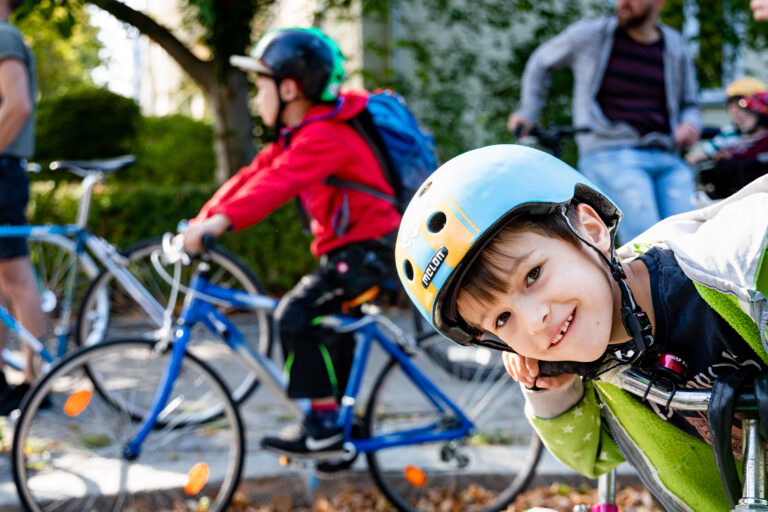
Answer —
(228, 98)
(233, 130)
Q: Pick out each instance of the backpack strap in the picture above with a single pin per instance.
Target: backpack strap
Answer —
(338, 182)
(362, 123)
(365, 127)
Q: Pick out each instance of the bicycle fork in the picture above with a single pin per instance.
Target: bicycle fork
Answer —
(606, 495)
(753, 491)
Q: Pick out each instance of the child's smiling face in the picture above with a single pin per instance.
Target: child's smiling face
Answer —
(560, 300)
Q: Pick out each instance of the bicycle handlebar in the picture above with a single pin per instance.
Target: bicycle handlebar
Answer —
(632, 381)
(685, 399)
(549, 138)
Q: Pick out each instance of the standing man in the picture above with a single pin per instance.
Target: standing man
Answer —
(18, 88)
(635, 89)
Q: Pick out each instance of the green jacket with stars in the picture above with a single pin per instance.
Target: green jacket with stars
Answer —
(593, 427)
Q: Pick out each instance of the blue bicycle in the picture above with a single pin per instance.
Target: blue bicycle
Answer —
(140, 424)
(66, 258)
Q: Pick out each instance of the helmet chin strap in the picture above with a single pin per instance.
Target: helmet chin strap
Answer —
(280, 126)
(634, 319)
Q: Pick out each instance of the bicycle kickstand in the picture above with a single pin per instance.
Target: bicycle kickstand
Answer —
(753, 495)
(606, 495)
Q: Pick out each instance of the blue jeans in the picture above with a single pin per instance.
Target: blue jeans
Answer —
(646, 184)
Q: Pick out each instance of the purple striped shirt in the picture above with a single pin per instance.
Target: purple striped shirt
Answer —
(632, 90)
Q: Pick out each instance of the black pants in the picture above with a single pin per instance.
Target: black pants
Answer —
(318, 360)
(14, 196)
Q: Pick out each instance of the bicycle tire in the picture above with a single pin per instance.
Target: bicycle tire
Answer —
(68, 452)
(125, 318)
(465, 363)
(419, 477)
(52, 257)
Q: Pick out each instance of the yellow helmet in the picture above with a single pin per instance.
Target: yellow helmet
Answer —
(745, 86)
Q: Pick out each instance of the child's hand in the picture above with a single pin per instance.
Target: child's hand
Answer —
(526, 370)
(193, 234)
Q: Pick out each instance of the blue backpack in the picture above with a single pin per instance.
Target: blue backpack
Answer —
(406, 153)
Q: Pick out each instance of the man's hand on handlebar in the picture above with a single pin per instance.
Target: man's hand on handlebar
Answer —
(686, 135)
(526, 370)
(215, 225)
(519, 125)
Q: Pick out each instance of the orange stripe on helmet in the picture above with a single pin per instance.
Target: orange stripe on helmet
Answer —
(463, 215)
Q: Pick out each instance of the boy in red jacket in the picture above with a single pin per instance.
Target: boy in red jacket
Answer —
(298, 74)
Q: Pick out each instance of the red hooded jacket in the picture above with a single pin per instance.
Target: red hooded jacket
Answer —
(320, 146)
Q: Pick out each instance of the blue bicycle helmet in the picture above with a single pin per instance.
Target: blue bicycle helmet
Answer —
(459, 209)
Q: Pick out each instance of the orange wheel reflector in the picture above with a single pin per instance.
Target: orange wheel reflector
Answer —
(77, 402)
(415, 476)
(197, 478)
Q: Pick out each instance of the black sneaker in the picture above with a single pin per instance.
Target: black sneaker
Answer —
(316, 434)
(11, 399)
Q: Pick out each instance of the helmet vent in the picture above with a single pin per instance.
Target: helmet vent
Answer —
(437, 222)
(424, 188)
(408, 269)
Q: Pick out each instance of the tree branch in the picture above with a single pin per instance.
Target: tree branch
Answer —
(201, 71)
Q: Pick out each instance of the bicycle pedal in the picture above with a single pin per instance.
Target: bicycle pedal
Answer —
(328, 467)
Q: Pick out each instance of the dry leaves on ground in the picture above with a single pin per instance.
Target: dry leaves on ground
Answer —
(560, 497)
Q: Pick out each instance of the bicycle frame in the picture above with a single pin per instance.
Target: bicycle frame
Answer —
(70, 231)
(105, 253)
(102, 250)
(197, 309)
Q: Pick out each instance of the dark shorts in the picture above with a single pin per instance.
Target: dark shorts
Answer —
(14, 196)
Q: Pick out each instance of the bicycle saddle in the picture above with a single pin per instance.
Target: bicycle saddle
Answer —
(108, 165)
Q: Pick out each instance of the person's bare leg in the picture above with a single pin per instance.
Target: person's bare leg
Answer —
(18, 283)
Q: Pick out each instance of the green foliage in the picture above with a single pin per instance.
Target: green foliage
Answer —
(171, 150)
(227, 25)
(85, 124)
(722, 28)
(276, 249)
(66, 45)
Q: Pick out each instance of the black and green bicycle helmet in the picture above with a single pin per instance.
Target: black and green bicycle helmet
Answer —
(307, 55)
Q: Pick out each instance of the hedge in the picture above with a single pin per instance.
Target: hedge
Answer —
(172, 149)
(276, 249)
(90, 123)
(85, 124)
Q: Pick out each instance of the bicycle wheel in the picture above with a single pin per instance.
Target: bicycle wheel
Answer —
(53, 257)
(465, 363)
(125, 318)
(481, 472)
(68, 446)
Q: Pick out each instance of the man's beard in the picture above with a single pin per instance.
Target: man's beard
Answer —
(636, 20)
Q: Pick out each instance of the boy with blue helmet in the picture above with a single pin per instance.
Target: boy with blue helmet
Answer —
(508, 247)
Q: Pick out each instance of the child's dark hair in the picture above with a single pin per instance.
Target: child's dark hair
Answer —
(487, 276)
(15, 4)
